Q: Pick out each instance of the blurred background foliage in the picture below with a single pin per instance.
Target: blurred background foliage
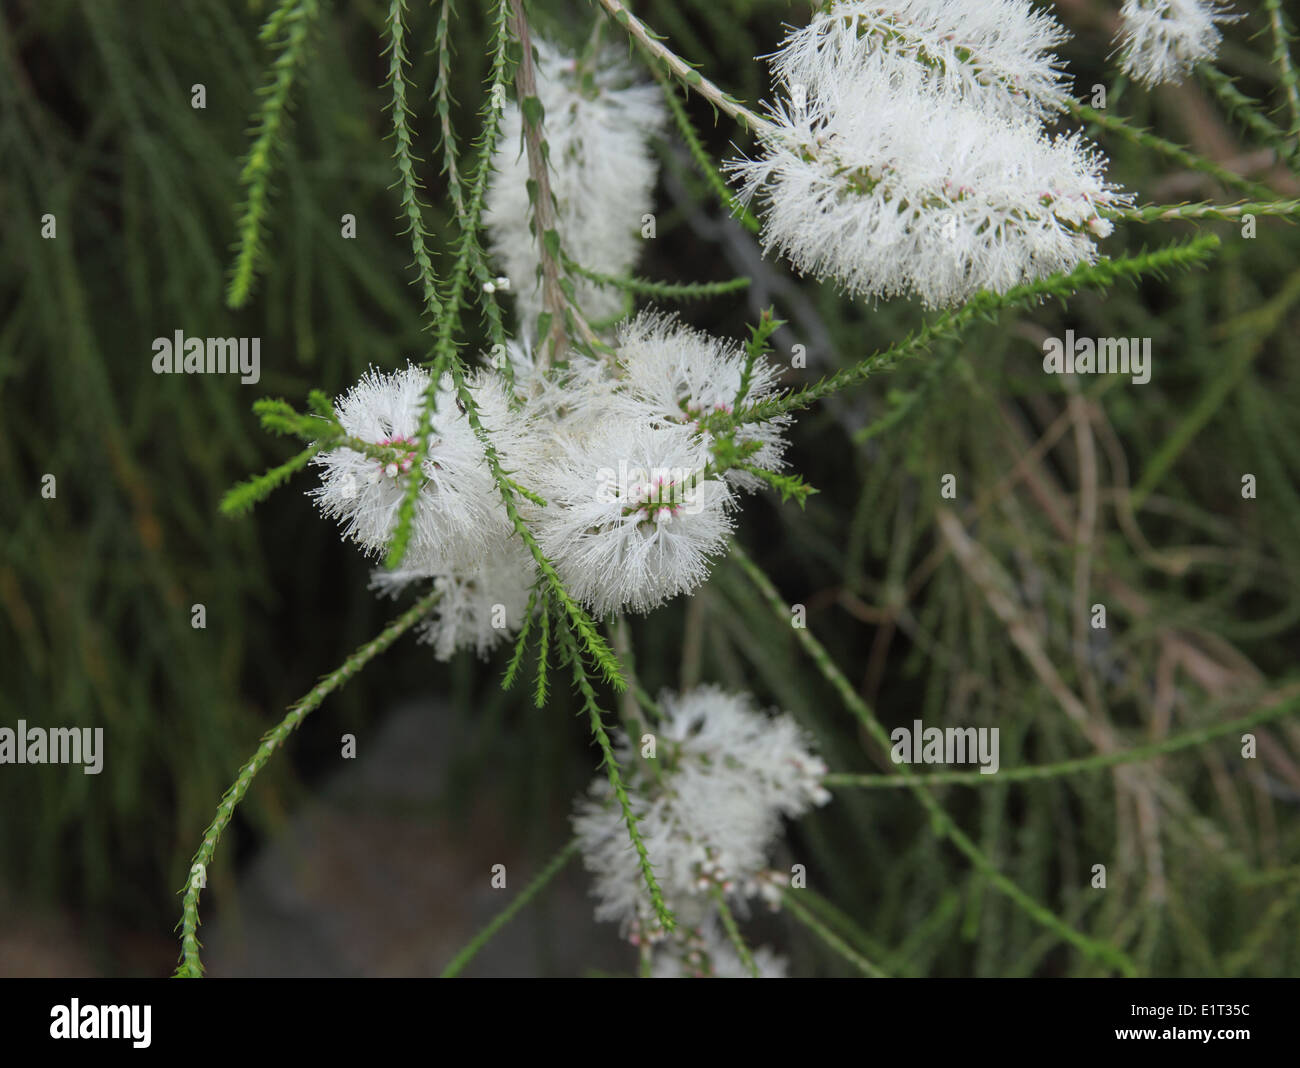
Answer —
(96, 586)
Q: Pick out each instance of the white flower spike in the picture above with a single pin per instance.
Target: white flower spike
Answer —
(479, 608)
(597, 125)
(458, 513)
(998, 50)
(728, 774)
(632, 519)
(672, 374)
(1163, 40)
(899, 164)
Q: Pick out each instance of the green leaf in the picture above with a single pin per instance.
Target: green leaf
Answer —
(532, 110)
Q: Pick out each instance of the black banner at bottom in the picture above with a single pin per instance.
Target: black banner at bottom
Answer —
(337, 1018)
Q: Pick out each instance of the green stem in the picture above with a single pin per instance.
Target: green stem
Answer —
(660, 290)
(553, 868)
(412, 207)
(579, 620)
(733, 932)
(442, 102)
(191, 966)
(1217, 390)
(1099, 762)
(943, 824)
(610, 763)
(469, 258)
(1250, 113)
(1148, 213)
(986, 305)
(298, 16)
(243, 496)
(832, 940)
(1285, 67)
(834, 918)
(702, 161)
(1175, 152)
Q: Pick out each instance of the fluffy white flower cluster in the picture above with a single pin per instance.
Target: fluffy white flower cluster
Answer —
(908, 151)
(623, 452)
(461, 538)
(710, 806)
(996, 51)
(602, 175)
(478, 606)
(1162, 40)
(679, 376)
(455, 518)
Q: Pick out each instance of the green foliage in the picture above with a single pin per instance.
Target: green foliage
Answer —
(644, 287)
(469, 260)
(241, 498)
(791, 487)
(1250, 114)
(1283, 36)
(707, 168)
(1193, 739)
(985, 305)
(1171, 150)
(191, 967)
(287, 31)
(573, 655)
(756, 347)
(97, 129)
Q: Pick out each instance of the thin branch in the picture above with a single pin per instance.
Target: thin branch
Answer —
(1097, 950)
(543, 200)
(1286, 704)
(829, 937)
(1285, 66)
(652, 45)
(733, 933)
(191, 966)
(553, 868)
(1169, 149)
(1147, 213)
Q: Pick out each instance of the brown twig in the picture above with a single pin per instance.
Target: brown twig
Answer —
(544, 221)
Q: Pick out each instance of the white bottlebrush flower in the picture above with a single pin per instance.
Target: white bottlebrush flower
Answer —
(728, 774)
(1163, 40)
(998, 50)
(458, 512)
(512, 425)
(555, 402)
(631, 520)
(597, 125)
(908, 152)
(478, 608)
(707, 953)
(673, 374)
(889, 188)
